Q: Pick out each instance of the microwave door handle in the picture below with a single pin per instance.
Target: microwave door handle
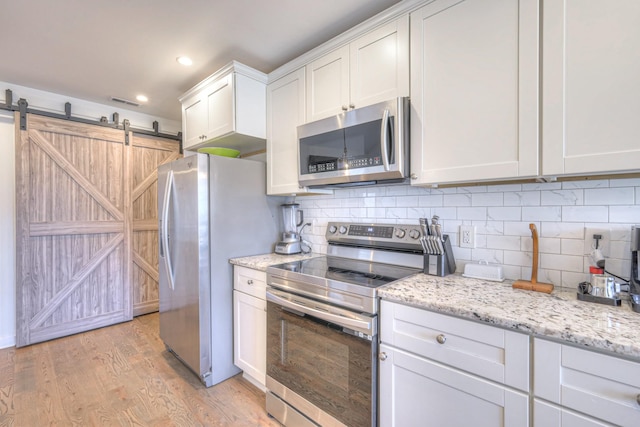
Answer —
(164, 230)
(384, 139)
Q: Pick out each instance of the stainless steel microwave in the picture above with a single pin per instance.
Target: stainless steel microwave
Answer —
(361, 146)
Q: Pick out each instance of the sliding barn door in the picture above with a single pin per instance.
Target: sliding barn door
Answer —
(73, 229)
(147, 154)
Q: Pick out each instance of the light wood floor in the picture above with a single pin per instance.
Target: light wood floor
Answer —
(121, 376)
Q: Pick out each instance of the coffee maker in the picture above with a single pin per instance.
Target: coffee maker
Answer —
(634, 281)
(292, 218)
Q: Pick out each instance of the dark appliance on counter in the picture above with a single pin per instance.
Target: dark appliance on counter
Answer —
(634, 281)
(362, 146)
(322, 324)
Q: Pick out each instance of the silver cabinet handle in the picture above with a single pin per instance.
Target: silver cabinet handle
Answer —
(352, 106)
(344, 108)
(382, 356)
(638, 399)
(250, 282)
(441, 339)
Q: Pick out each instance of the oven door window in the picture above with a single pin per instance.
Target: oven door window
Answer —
(328, 367)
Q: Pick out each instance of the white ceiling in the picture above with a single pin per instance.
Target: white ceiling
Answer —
(96, 49)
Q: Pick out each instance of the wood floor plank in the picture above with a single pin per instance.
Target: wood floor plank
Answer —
(121, 375)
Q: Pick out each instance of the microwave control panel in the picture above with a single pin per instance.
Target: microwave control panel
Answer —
(323, 164)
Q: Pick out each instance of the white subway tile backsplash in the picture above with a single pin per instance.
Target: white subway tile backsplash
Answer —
(457, 200)
(501, 215)
(561, 262)
(600, 183)
(487, 199)
(572, 247)
(407, 201)
(585, 214)
(625, 182)
(562, 197)
(610, 196)
(522, 198)
(626, 214)
(547, 213)
(431, 200)
(511, 243)
(477, 213)
(565, 230)
(504, 213)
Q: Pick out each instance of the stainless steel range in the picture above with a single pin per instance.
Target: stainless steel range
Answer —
(322, 324)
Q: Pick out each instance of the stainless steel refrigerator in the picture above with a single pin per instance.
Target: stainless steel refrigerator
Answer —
(210, 209)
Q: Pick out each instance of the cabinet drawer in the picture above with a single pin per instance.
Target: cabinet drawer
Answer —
(487, 351)
(249, 281)
(603, 386)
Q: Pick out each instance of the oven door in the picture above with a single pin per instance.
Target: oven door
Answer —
(321, 360)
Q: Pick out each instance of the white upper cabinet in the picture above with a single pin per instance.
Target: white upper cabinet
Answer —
(372, 68)
(474, 91)
(285, 112)
(591, 86)
(228, 109)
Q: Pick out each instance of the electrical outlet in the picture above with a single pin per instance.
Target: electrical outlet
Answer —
(604, 242)
(467, 236)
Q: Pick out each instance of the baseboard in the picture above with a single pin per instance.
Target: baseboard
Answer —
(7, 341)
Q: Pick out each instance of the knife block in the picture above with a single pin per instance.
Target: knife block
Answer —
(441, 265)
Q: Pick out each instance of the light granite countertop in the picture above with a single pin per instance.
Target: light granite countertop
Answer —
(559, 315)
(261, 262)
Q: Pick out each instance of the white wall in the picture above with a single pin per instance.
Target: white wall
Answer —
(49, 102)
(566, 215)
(7, 232)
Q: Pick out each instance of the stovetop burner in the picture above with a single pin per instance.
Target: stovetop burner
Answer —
(348, 271)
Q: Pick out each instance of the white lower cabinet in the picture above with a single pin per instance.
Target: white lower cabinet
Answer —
(578, 387)
(415, 391)
(250, 324)
(444, 371)
(548, 415)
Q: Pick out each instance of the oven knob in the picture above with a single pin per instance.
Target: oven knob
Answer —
(400, 233)
(333, 229)
(343, 229)
(414, 234)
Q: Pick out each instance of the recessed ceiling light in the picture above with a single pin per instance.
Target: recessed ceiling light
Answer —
(142, 98)
(184, 60)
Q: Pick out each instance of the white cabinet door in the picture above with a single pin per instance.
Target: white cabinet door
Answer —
(588, 382)
(373, 68)
(285, 112)
(591, 89)
(418, 392)
(474, 91)
(548, 415)
(328, 85)
(219, 97)
(379, 64)
(194, 119)
(250, 335)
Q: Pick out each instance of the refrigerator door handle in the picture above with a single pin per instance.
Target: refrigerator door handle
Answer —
(164, 231)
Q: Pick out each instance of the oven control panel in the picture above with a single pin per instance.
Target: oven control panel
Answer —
(405, 236)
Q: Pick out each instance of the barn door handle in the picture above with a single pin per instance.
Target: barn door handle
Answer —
(165, 229)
